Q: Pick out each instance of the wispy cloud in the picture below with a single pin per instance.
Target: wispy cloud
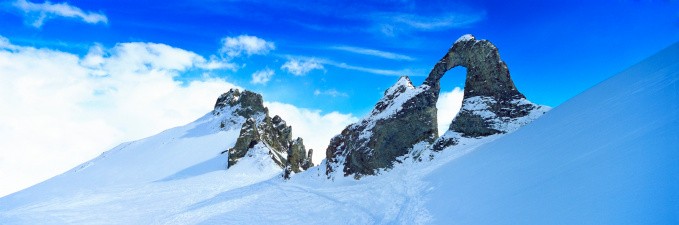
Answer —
(330, 92)
(370, 70)
(300, 67)
(328, 62)
(36, 14)
(262, 76)
(373, 52)
(245, 44)
(453, 20)
(392, 24)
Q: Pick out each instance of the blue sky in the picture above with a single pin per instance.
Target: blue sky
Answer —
(554, 49)
(79, 77)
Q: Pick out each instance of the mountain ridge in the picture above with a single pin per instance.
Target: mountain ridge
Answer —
(406, 115)
(605, 156)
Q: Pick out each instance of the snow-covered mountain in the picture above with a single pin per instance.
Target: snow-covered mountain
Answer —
(607, 156)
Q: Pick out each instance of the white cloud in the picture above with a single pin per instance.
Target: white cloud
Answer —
(296, 63)
(448, 105)
(37, 14)
(262, 76)
(59, 109)
(330, 92)
(245, 44)
(300, 67)
(392, 24)
(371, 70)
(373, 52)
(452, 20)
(313, 126)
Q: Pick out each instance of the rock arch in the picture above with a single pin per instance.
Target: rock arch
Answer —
(488, 85)
(487, 74)
(406, 115)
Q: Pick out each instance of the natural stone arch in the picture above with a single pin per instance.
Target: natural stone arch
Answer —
(407, 115)
(487, 74)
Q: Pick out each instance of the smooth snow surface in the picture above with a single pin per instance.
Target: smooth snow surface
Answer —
(607, 156)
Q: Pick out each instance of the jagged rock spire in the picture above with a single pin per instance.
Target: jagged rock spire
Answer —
(257, 127)
(245, 104)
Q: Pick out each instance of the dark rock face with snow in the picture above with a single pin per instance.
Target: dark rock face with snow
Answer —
(259, 128)
(490, 96)
(248, 138)
(406, 115)
(246, 104)
(403, 117)
(487, 74)
(298, 158)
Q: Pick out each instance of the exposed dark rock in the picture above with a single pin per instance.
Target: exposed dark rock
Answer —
(472, 125)
(403, 117)
(297, 155)
(308, 163)
(443, 142)
(277, 135)
(245, 104)
(248, 138)
(407, 115)
(487, 74)
(491, 100)
(298, 158)
(259, 127)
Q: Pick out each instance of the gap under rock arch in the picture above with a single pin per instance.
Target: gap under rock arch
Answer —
(450, 97)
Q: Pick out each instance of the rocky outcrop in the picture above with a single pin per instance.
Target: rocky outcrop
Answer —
(246, 104)
(487, 74)
(406, 115)
(298, 158)
(403, 117)
(259, 128)
(308, 162)
(248, 138)
(492, 104)
(297, 155)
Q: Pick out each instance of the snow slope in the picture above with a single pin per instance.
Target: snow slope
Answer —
(608, 156)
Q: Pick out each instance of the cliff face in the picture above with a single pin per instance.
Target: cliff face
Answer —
(403, 117)
(406, 115)
(257, 127)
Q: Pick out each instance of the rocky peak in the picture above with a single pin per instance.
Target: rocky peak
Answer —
(406, 115)
(403, 117)
(390, 95)
(298, 158)
(245, 104)
(259, 129)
